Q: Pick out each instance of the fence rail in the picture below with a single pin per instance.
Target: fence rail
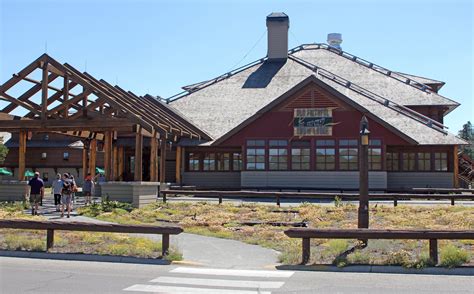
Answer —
(432, 235)
(51, 226)
(313, 195)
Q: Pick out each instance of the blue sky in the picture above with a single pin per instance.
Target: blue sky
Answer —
(158, 46)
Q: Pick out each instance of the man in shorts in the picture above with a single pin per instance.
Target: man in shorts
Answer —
(36, 192)
(66, 195)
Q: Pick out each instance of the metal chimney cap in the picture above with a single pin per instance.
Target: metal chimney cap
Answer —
(335, 40)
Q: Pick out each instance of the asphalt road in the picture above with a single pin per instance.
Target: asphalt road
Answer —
(23, 275)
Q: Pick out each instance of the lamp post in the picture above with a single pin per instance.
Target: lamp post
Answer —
(363, 216)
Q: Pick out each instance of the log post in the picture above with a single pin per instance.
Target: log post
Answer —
(66, 95)
(121, 159)
(306, 250)
(44, 92)
(154, 157)
(115, 163)
(179, 151)
(455, 167)
(434, 250)
(92, 157)
(165, 244)
(22, 155)
(162, 162)
(49, 239)
(84, 161)
(138, 174)
(278, 200)
(108, 155)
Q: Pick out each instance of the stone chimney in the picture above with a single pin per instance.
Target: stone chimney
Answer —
(277, 26)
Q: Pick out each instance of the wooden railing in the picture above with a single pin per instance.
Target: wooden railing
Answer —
(314, 195)
(51, 226)
(364, 234)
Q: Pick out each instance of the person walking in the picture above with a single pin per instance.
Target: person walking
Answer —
(74, 190)
(66, 195)
(56, 190)
(36, 192)
(88, 188)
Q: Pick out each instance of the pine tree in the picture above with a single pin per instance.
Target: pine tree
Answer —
(467, 133)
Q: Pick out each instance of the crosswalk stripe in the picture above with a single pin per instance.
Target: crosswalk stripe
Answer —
(188, 290)
(219, 283)
(230, 272)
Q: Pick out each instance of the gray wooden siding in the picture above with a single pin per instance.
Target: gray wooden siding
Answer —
(401, 180)
(212, 179)
(311, 179)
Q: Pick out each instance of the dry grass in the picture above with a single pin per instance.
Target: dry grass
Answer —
(224, 220)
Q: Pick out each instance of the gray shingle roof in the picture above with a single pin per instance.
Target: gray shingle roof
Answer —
(217, 108)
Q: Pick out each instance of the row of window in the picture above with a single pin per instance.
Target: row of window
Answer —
(211, 161)
(417, 161)
(44, 155)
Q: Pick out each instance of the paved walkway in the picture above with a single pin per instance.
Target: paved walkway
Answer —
(196, 249)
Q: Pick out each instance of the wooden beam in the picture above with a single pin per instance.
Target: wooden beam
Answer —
(162, 161)
(115, 162)
(23, 73)
(154, 157)
(97, 124)
(92, 157)
(121, 159)
(66, 104)
(66, 94)
(23, 104)
(179, 151)
(84, 103)
(455, 167)
(108, 156)
(84, 161)
(22, 155)
(44, 93)
(138, 176)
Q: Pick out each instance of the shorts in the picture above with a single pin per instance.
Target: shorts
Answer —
(66, 199)
(35, 198)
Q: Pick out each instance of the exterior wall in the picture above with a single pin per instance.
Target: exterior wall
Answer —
(408, 180)
(212, 179)
(138, 194)
(13, 190)
(312, 179)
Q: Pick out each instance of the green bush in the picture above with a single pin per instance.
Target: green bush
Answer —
(452, 256)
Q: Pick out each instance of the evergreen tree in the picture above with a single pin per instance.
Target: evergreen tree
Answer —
(467, 133)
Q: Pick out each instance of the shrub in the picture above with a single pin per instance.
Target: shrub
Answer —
(17, 242)
(452, 256)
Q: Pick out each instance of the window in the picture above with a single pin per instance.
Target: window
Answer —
(193, 162)
(223, 161)
(236, 161)
(46, 137)
(66, 156)
(348, 155)
(408, 163)
(255, 155)
(278, 157)
(44, 155)
(209, 162)
(300, 155)
(132, 164)
(392, 161)
(375, 142)
(424, 161)
(375, 158)
(441, 161)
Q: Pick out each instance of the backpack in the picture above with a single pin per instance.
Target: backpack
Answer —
(67, 187)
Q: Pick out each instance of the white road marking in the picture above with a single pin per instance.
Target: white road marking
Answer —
(230, 272)
(186, 290)
(219, 283)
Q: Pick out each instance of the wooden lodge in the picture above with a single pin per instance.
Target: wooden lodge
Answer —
(290, 119)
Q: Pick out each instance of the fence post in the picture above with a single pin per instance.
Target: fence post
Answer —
(278, 200)
(49, 239)
(434, 250)
(452, 201)
(220, 199)
(306, 250)
(165, 244)
(164, 197)
(395, 201)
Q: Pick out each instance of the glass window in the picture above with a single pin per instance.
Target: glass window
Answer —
(255, 159)
(44, 155)
(348, 158)
(375, 142)
(325, 143)
(375, 158)
(325, 158)
(46, 137)
(348, 143)
(300, 158)
(278, 159)
(223, 161)
(66, 155)
(259, 143)
(277, 143)
(441, 161)
(209, 162)
(392, 161)
(132, 164)
(424, 161)
(237, 161)
(408, 163)
(193, 161)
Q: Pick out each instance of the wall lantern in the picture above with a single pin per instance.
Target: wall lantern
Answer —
(364, 131)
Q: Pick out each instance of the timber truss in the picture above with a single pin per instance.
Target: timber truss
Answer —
(75, 103)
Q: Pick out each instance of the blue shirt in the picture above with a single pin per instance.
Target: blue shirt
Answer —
(36, 185)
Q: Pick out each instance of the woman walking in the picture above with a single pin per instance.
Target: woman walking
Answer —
(66, 195)
(56, 190)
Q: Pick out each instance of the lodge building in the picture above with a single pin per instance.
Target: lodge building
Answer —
(292, 120)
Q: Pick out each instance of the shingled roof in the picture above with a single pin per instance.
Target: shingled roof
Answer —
(224, 104)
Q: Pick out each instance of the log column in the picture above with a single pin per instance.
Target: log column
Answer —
(92, 157)
(162, 162)
(138, 154)
(115, 162)
(455, 167)
(44, 92)
(179, 160)
(85, 159)
(22, 155)
(108, 156)
(153, 157)
(121, 159)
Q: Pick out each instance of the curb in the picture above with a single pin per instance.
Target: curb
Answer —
(382, 269)
(83, 257)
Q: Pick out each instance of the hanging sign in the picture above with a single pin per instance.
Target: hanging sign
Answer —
(312, 121)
